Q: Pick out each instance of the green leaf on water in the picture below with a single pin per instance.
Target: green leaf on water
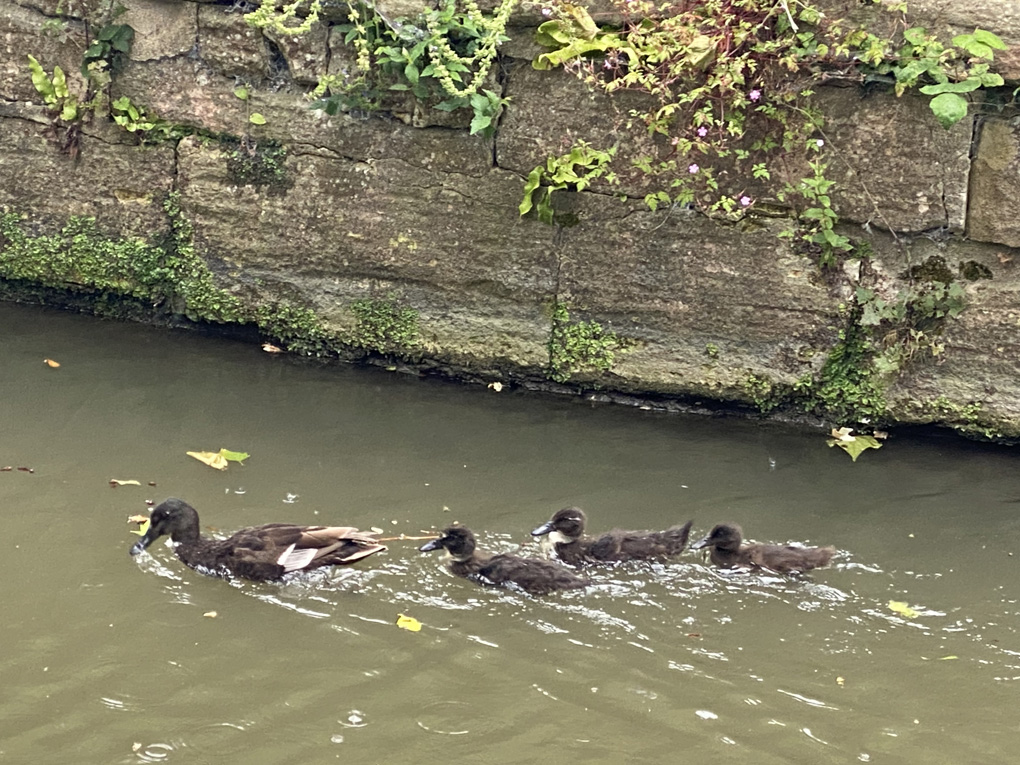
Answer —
(219, 459)
(902, 609)
(852, 445)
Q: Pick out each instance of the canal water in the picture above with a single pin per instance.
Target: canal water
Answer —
(112, 659)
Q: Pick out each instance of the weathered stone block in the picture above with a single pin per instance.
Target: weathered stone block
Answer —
(22, 32)
(163, 28)
(230, 46)
(347, 230)
(895, 166)
(120, 185)
(995, 183)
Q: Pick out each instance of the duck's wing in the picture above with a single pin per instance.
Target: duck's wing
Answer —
(790, 559)
(533, 575)
(643, 545)
(272, 550)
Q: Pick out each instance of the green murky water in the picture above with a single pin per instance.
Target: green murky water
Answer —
(109, 659)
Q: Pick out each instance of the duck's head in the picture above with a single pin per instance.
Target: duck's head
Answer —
(566, 526)
(173, 517)
(458, 541)
(725, 536)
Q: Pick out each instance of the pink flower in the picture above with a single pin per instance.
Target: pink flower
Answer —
(745, 201)
(754, 95)
(693, 168)
(702, 131)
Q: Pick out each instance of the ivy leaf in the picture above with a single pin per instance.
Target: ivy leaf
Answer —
(949, 108)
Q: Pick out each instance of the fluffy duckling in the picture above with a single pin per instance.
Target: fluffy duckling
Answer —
(727, 552)
(534, 576)
(259, 553)
(565, 532)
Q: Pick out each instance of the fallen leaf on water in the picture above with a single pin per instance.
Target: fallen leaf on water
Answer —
(948, 658)
(136, 746)
(26, 469)
(270, 348)
(496, 386)
(137, 518)
(115, 482)
(219, 459)
(51, 363)
(903, 609)
(852, 445)
(6, 468)
(840, 682)
(881, 435)
(408, 623)
(210, 614)
(143, 524)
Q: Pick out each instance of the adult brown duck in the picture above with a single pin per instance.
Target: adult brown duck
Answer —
(533, 575)
(565, 532)
(728, 551)
(259, 553)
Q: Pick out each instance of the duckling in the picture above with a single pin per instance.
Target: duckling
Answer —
(533, 575)
(259, 553)
(727, 552)
(566, 535)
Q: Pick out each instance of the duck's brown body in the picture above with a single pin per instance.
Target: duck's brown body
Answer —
(260, 553)
(728, 551)
(566, 532)
(535, 576)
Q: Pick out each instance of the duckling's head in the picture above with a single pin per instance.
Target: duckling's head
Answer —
(172, 516)
(566, 526)
(725, 536)
(458, 541)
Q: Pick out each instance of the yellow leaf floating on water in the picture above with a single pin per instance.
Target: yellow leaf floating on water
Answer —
(408, 623)
(118, 482)
(143, 524)
(51, 363)
(948, 658)
(902, 609)
(210, 614)
(219, 459)
(840, 682)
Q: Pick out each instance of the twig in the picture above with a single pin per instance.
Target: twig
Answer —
(403, 537)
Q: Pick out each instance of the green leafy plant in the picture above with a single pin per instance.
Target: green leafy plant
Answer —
(443, 56)
(579, 345)
(947, 70)
(576, 169)
(108, 50)
(382, 325)
(817, 218)
(54, 90)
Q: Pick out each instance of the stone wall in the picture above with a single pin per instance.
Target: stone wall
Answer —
(406, 206)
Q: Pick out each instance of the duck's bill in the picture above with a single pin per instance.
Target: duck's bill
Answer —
(703, 542)
(542, 530)
(143, 543)
(429, 546)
